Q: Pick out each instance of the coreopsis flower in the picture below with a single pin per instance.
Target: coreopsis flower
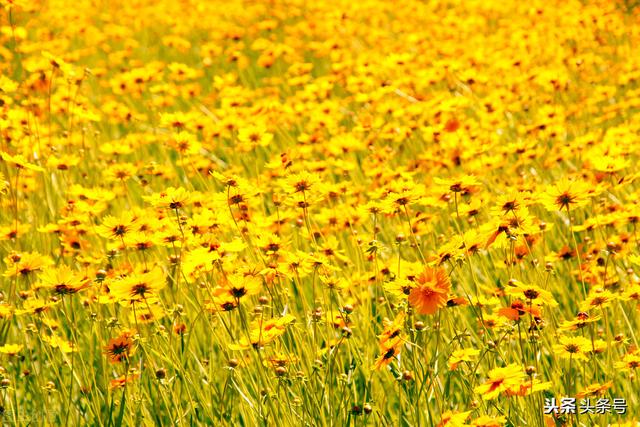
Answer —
(221, 302)
(6, 311)
(334, 283)
(531, 293)
(140, 241)
(529, 386)
(509, 204)
(238, 286)
(229, 180)
(399, 287)
(55, 341)
(331, 249)
(431, 291)
(14, 231)
(575, 348)
(25, 264)
(462, 355)
(598, 298)
(632, 293)
(59, 63)
(63, 281)
(565, 195)
(171, 198)
(120, 348)
(270, 243)
(302, 182)
(464, 184)
(629, 362)
(392, 334)
(253, 136)
(519, 308)
(454, 419)
(138, 287)
(120, 172)
(63, 162)
(263, 332)
(147, 313)
(377, 207)
(595, 389)
(387, 356)
(34, 306)
(452, 251)
(11, 349)
(18, 161)
(117, 228)
(403, 198)
(501, 380)
(185, 143)
(123, 380)
(582, 319)
(598, 346)
(7, 85)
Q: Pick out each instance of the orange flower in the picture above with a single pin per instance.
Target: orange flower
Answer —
(518, 308)
(431, 291)
(121, 381)
(120, 348)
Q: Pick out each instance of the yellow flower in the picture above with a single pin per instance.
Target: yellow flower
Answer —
(6, 311)
(630, 362)
(239, 285)
(7, 85)
(34, 305)
(302, 182)
(464, 184)
(575, 348)
(454, 419)
(11, 232)
(56, 341)
(172, 198)
(185, 143)
(386, 356)
(462, 355)
(252, 136)
(139, 287)
(501, 380)
(146, 313)
(582, 320)
(392, 334)
(530, 293)
(565, 195)
(595, 389)
(117, 228)
(63, 280)
(509, 203)
(11, 349)
(120, 172)
(24, 264)
(20, 162)
(598, 299)
(263, 332)
(59, 63)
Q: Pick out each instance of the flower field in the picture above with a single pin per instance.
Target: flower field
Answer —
(341, 213)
